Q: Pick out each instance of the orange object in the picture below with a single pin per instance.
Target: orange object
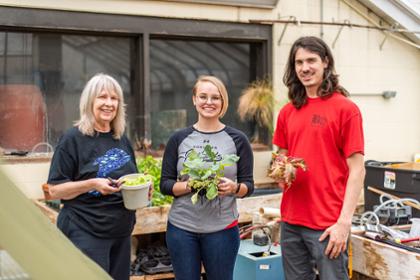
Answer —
(22, 117)
(46, 191)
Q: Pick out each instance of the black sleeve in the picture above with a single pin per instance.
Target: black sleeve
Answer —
(131, 151)
(245, 173)
(169, 171)
(63, 165)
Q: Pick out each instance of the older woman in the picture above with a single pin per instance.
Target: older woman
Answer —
(86, 158)
(206, 232)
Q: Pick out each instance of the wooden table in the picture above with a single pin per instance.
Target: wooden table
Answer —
(382, 261)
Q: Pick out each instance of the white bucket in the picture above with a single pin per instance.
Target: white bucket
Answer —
(135, 196)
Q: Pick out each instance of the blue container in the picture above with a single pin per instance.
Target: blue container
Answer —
(249, 266)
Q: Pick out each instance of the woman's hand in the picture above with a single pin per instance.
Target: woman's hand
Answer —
(72, 189)
(104, 186)
(227, 187)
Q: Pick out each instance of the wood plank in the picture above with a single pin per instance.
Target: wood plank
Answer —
(50, 213)
(151, 220)
(158, 276)
(266, 184)
(382, 261)
(154, 219)
(247, 206)
(359, 276)
(154, 276)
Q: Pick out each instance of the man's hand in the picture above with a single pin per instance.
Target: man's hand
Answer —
(338, 233)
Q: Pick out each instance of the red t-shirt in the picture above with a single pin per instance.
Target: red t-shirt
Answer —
(324, 132)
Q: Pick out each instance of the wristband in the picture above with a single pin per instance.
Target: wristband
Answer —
(238, 188)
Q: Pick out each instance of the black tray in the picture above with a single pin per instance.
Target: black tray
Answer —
(151, 261)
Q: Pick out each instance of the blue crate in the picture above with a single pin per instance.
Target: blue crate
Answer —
(250, 267)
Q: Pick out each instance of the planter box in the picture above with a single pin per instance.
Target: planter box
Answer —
(154, 219)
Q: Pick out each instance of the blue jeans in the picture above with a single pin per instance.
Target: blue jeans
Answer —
(217, 251)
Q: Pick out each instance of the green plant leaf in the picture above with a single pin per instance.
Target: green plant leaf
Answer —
(207, 174)
(152, 166)
(209, 152)
(215, 167)
(195, 174)
(196, 163)
(192, 155)
(211, 191)
(228, 160)
(194, 198)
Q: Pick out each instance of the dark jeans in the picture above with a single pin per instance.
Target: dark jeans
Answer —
(217, 251)
(301, 252)
(113, 255)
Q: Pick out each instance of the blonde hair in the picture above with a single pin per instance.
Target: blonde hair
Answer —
(220, 86)
(92, 89)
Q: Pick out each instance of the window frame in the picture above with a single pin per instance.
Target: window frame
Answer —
(141, 29)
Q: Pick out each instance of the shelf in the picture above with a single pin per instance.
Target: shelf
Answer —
(154, 276)
(168, 275)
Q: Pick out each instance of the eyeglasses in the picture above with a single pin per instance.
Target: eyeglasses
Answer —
(202, 98)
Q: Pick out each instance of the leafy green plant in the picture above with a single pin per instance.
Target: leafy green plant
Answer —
(205, 171)
(153, 167)
(141, 179)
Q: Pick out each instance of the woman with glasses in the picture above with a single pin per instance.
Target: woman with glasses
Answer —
(206, 232)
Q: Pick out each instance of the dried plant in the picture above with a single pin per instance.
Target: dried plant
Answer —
(257, 104)
(283, 169)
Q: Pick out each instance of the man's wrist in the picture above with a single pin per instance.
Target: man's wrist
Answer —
(344, 221)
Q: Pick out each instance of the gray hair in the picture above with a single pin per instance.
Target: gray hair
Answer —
(92, 89)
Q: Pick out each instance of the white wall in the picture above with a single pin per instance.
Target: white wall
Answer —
(390, 126)
(28, 177)
(391, 129)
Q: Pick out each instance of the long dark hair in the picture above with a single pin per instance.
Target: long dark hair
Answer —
(297, 92)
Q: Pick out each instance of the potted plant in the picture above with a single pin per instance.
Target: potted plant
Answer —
(135, 190)
(204, 172)
(256, 104)
(153, 166)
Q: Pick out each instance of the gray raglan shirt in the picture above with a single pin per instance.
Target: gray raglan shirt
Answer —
(206, 216)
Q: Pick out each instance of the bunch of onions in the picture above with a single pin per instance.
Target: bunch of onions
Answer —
(283, 168)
